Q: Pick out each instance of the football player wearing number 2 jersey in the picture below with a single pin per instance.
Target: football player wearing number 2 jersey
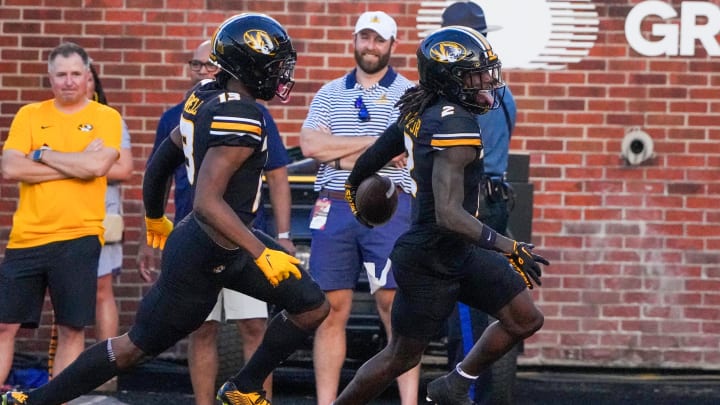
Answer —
(447, 255)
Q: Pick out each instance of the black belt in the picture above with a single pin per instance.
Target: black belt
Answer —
(332, 194)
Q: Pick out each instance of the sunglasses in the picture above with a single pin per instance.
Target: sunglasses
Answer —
(196, 65)
(363, 113)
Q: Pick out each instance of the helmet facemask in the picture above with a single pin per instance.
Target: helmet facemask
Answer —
(459, 63)
(478, 90)
(256, 50)
(285, 78)
(274, 79)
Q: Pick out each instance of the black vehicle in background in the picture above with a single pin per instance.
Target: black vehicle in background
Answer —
(365, 333)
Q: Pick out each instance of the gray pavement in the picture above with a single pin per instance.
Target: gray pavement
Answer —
(533, 387)
(99, 399)
(617, 387)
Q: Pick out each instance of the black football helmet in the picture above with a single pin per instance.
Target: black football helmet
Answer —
(447, 59)
(256, 49)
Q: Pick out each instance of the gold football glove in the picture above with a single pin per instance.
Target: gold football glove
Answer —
(525, 263)
(158, 230)
(278, 266)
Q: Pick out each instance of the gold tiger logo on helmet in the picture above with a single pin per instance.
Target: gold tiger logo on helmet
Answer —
(448, 52)
(260, 42)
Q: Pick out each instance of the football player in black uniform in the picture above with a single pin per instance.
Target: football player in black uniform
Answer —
(448, 255)
(221, 139)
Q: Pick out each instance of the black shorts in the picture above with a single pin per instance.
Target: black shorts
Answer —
(67, 269)
(194, 270)
(434, 270)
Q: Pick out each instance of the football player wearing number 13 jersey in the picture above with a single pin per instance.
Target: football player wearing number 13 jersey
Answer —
(447, 255)
(222, 142)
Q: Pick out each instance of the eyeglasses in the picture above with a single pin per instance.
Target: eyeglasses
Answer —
(196, 65)
(363, 113)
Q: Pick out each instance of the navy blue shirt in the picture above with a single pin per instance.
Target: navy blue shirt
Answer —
(495, 129)
(183, 201)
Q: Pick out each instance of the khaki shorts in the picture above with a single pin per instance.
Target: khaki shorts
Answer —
(236, 306)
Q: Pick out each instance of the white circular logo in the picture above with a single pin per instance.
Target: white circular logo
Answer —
(535, 34)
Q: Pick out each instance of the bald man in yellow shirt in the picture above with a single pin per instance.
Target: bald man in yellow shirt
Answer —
(58, 151)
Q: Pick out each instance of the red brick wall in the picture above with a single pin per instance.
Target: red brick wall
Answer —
(634, 280)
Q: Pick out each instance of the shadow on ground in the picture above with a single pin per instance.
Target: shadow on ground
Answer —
(162, 383)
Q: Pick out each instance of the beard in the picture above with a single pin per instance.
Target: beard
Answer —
(69, 96)
(371, 67)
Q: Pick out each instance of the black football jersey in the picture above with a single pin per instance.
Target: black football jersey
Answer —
(443, 125)
(213, 116)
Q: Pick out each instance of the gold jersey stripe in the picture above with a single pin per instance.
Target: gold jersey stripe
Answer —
(444, 143)
(233, 126)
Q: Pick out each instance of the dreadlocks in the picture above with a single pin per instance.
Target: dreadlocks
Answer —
(416, 100)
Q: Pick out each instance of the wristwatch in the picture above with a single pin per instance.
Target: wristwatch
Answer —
(37, 155)
(283, 235)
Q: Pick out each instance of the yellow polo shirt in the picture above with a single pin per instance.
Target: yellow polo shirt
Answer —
(53, 211)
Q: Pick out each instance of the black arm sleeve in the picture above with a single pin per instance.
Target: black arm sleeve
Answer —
(158, 177)
(386, 147)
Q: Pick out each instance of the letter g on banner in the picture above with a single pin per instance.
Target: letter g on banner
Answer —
(674, 39)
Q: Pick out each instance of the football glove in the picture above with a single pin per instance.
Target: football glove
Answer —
(277, 266)
(350, 195)
(525, 263)
(158, 230)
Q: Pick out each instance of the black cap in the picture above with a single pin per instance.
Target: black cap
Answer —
(467, 14)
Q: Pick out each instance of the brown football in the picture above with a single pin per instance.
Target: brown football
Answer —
(376, 199)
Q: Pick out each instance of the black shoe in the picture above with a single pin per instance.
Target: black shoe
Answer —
(440, 392)
(13, 398)
(228, 394)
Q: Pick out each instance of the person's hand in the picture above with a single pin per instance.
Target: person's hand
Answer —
(350, 196)
(399, 161)
(148, 261)
(158, 230)
(525, 263)
(277, 266)
(288, 245)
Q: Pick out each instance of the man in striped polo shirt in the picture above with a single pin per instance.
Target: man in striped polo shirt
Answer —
(345, 117)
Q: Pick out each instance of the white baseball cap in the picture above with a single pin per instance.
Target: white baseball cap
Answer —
(377, 21)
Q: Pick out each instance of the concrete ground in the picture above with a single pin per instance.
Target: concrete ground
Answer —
(556, 387)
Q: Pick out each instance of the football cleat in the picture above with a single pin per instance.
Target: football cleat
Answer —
(14, 398)
(228, 394)
(440, 392)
